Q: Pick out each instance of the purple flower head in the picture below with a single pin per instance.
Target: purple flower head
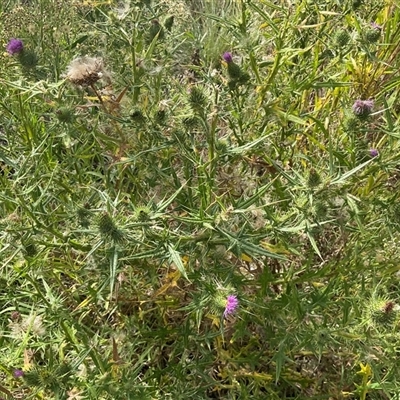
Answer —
(373, 152)
(363, 107)
(18, 373)
(232, 304)
(15, 46)
(376, 26)
(227, 56)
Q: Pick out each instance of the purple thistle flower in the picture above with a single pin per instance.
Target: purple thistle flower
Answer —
(227, 56)
(373, 152)
(232, 304)
(15, 46)
(18, 373)
(363, 107)
(376, 26)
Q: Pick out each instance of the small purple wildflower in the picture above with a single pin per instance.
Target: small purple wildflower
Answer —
(373, 152)
(18, 373)
(376, 26)
(227, 56)
(15, 46)
(363, 107)
(232, 304)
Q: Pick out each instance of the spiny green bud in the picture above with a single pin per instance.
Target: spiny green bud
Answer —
(83, 215)
(351, 124)
(372, 35)
(160, 116)
(342, 38)
(327, 54)
(383, 312)
(197, 99)
(106, 224)
(190, 121)
(319, 210)
(32, 378)
(28, 59)
(234, 71)
(49, 380)
(314, 178)
(65, 114)
(108, 229)
(137, 116)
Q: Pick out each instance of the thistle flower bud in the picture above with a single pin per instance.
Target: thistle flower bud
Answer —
(342, 38)
(373, 153)
(374, 33)
(18, 373)
(227, 56)
(351, 124)
(65, 114)
(108, 228)
(320, 210)
(83, 215)
(383, 312)
(32, 377)
(314, 178)
(28, 59)
(160, 116)
(197, 99)
(236, 75)
(234, 71)
(15, 46)
(363, 108)
(190, 121)
(137, 116)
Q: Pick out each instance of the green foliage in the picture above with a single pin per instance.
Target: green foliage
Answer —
(189, 207)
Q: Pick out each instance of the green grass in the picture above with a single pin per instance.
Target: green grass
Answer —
(133, 206)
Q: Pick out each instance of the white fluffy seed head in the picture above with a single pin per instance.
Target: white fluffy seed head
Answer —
(84, 71)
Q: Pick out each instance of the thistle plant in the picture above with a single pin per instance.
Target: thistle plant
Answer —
(199, 199)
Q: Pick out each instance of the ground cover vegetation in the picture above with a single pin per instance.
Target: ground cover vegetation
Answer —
(199, 199)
